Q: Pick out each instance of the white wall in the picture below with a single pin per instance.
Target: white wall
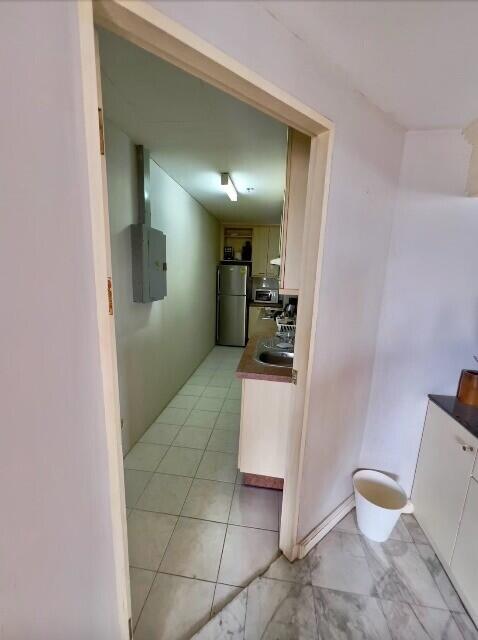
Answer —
(160, 344)
(429, 321)
(56, 554)
(365, 170)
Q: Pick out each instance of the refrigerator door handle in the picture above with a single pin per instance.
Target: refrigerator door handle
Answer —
(217, 315)
(218, 281)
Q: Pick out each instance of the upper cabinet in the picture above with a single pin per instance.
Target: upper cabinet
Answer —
(265, 247)
(298, 153)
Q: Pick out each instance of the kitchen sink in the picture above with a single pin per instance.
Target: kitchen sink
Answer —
(277, 358)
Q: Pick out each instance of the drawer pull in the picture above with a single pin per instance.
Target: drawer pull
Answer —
(467, 447)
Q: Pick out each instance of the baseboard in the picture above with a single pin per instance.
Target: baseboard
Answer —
(325, 526)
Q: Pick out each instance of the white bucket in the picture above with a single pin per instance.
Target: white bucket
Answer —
(379, 500)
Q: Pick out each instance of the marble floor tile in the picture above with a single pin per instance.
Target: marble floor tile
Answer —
(218, 466)
(209, 500)
(231, 406)
(339, 562)
(205, 419)
(215, 392)
(401, 575)
(180, 461)
(229, 623)
(414, 529)
(134, 484)
(247, 553)
(254, 507)
(224, 440)
(280, 611)
(183, 402)
(210, 404)
(175, 609)
(347, 616)
(443, 583)
(223, 595)
(144, 456)
(349, 524)
(194, 550)
(160, 433)
(192, 437)
(148, 536)
(412, 622)
(140, 581)
(165, 494)
(228, 421)
(297, 571)
(466, 626)
(192, 390)
(173, 416)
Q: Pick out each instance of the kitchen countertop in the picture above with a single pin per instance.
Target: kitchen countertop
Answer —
(269, 305)
(465, 414)
(249, 367)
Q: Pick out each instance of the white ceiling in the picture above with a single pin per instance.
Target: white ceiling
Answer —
(194, 132)
(417, 61)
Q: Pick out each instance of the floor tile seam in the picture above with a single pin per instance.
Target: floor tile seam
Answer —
(377, 597)
(147, 484)
(147, 595)
(413, 544)
(223, 545)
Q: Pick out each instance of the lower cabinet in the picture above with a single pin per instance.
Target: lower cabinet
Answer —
(445, 498)
(265, 421)
(442, 478)
(464, 564)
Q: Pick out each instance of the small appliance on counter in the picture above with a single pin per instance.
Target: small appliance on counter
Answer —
(228, 253)
(265, 290)
(468, 387)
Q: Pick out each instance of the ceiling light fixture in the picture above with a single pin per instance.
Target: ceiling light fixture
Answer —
(228, 186)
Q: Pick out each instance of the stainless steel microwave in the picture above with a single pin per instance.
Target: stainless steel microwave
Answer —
(265, 295)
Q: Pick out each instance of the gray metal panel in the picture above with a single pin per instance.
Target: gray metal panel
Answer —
(157, 264)
(231, 320)
(139, 253)
(148, 253)
(232, 280)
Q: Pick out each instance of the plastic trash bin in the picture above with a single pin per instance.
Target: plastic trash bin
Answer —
(379, 500)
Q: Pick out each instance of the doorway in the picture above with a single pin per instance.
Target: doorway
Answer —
(148, 28)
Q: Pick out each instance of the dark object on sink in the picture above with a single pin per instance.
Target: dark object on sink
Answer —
(468, 387)
(277, 358)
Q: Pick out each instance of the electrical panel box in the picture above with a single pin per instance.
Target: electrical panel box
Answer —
(149, 263)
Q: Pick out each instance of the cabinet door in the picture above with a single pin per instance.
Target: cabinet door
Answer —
(273, 249)
(464, 564)
(442, 478)
(260, 240)
(298, 152)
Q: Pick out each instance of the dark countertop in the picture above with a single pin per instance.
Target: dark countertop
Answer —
(249, 367)
(465, 414)
(270, 305)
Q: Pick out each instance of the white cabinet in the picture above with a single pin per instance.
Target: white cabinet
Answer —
(464, 564)
(293, 216)
(441, 481)
(265, 420)
(265, 247)
(445, 497)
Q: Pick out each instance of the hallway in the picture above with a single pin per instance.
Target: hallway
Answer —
(196, 534)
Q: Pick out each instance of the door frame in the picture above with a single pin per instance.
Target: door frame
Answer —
(148, 28)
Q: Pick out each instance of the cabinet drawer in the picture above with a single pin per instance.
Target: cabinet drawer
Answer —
(464, 564)
(441, 482)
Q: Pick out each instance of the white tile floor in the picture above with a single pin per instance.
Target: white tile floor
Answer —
(196, 534)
